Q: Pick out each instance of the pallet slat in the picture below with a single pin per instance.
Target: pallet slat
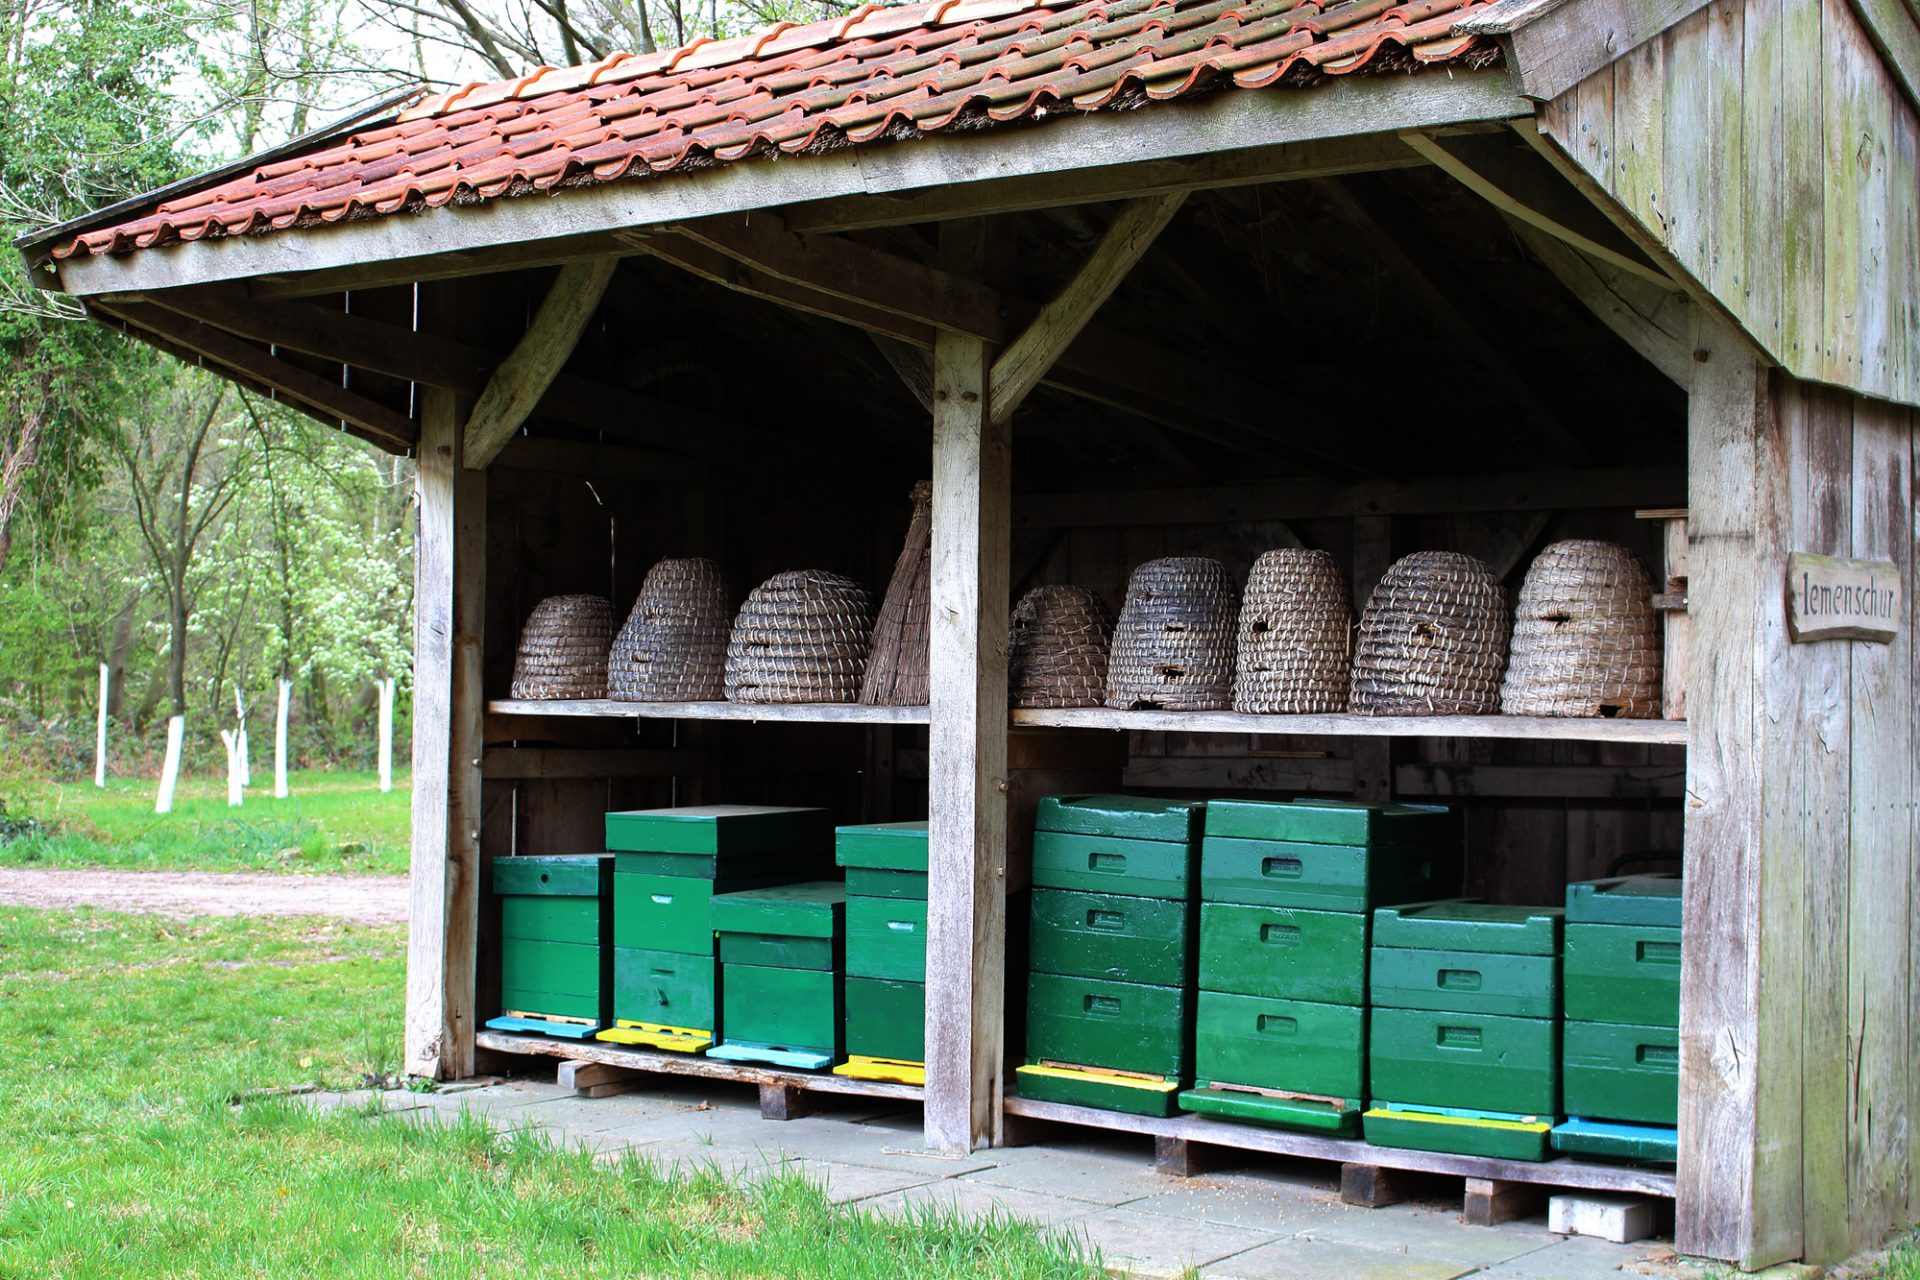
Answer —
(680, 1064)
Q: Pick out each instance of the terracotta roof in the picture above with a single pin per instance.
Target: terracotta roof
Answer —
(883, 71)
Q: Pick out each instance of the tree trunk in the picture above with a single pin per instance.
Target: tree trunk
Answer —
(120, 639)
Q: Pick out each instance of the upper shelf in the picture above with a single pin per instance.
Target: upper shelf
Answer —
(1672, 732)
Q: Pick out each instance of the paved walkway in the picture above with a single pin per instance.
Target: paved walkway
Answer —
(183, 894)
(1270, 1219)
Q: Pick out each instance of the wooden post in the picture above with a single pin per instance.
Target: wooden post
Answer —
(967, 756)
(1739, 1184)
(444, 891)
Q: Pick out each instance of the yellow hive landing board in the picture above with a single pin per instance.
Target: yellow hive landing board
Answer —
(653, 1035)
(897, 1070)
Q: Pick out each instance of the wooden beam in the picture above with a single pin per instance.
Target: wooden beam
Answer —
(1655, 321)
(524, 376)
(913, 364)
(1520, 185)
(393, 429)
(513, 763)
(1028, 358)
(1894, 28)
(446, 266)
(967, 754)
(1553, 45)
(1222, 124)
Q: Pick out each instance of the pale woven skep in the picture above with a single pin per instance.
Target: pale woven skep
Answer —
(800, 637)
(1173, 645)
(563, 649)
(1586, 638)
(673, 647)
(1433, 640)
(1057, 649)
(1296, 636)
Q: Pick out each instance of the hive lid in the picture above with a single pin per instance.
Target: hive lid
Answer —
(560, 874)
(717, 829)
(1644, 899)
(1134, 817)
(1456, 925)
(882, 846)
(1344, 822)
(812, 909)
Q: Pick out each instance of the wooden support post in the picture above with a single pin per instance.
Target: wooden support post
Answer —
(784, 1102)
(444, 884)
(1181, 1158)
(1490, 1202)
(967, 755)
(1371, 1187)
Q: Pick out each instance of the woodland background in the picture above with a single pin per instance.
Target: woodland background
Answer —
(199, 539)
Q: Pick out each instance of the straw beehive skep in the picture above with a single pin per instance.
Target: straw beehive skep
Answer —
(673, 647)
(563, 649)
(800, 637)
(1296, 636)
(897, 666)
(1057, 649)
(1586, 639)
(1433, 639)
(1173, 645)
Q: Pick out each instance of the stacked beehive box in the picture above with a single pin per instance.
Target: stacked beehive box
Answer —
(1620, 1046)
(669, 864)
(886, 989)
(1110, 996)
(555, 964)
(1281, 1028)
(1465, 1028)
(781, 974)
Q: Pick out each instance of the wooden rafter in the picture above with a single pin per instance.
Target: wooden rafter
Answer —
(523, 377)
(1653, 321)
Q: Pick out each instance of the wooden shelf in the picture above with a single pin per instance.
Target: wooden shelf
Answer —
(1584, 1175)
(1553, 728)
(799, 712)
(690, 1064)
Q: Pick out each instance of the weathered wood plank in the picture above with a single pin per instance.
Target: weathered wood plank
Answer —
(1855, 111)
(1895, 31)
(805, 712)
(1555, 45)
(1913, 841)
(1688, 122)
(1581, 122)
(967, 753)
(1803, 181)
(1546, 728)
(535, 361)
(1639, 136)
(1723, 218)
(1765, 175)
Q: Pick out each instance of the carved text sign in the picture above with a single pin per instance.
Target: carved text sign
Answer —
(1829, 598)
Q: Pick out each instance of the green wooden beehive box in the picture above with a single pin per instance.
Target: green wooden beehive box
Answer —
(1480, 927)
(1283, 952)
(706, 835)
(887, 938)
(788, 926)
(781, 986)
(663, 999)
(1297, 1063)
(1120, 1046)
(1340, 822)
(1136, 846)
(1324, 877)
(1612, 1071)
(1129, 817)
(1112, 936)
(1475, 1061)
(556, 952)
(1622, 961)
(886, 1021)
(670, 913)
(883, 860)
(1520, 986)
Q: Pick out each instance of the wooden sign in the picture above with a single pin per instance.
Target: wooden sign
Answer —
(1829, 598)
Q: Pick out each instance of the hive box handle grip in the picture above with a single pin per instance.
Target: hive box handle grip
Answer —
(1110, 862)
(1281, 868)
(1103, 1006)
(1459, 980)
(1658, 953)
(1110, 921)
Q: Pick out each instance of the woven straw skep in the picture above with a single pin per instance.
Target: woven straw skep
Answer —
(800, 637)
(1057, 649)
(563, 649)
(1586, 639)
(1296, 636)
(673, 647)
(1173, 645)
(1433, 640)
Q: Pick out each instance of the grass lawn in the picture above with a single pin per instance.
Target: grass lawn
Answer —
(124, 1154)
(329, 822)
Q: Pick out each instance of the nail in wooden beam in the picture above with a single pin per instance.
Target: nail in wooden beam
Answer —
(530, 368)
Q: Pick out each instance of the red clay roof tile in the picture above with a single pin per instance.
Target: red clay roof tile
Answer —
(879, 69)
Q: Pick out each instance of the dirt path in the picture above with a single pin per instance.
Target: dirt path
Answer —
(180, 894)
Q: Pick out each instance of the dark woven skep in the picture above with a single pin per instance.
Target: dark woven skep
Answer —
(800, 637)
(673, 647)
(1173, 645)
(1433, 640)
(563, 649)
(1057, 649)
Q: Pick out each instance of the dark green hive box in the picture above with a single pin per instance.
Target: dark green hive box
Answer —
(1298, 1046)
(669, 913)
(884, 860)
(1623, 950)
(1480, 1061)
(720, 830)
(1284, 953)
(886, 1019)
(797, 926)
(776, 866)
(1111, 936)
(1464, 1131)
(666, 988)
(887, 938)
(1642, 900)
(556, 957)
(780, 1015)
(1121, 1026)
(1614, 1072)
(1114, 864)
(1466, 981)
(1346, 822)
(1128, 817)
(1324, 877)
(1470, 926)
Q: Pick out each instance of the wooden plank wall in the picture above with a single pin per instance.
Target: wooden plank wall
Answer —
(1765, 144)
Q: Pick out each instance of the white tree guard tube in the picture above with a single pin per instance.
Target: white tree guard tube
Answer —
(170, 771)
(386, 734)
(231, 737)
(240, 713)
(100, 734)
(280, 742)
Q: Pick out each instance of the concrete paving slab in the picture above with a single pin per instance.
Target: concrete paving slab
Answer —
(1244, 1200)
(1150, 1244)
(1096, 1177)
(595, 1115)
(1576, 1258)
(1325, 1260)
(974, 1200)
(1430, 1237)
(853, 1183)
(873, 1146)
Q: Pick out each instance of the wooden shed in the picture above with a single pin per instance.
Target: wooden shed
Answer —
(1138, 277)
